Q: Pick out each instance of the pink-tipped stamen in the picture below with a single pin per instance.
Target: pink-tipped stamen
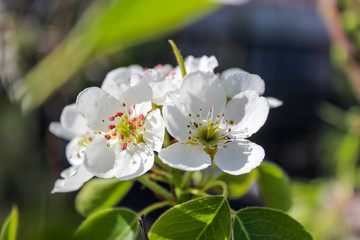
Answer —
(114, 134)
(132, 132)
(112, 118)
(141, 117)
(108, 137)
(121, 136)
(123, 147)
(133, 106)
(111, 126)
(128, 141)
(120, 114)
(129, 111)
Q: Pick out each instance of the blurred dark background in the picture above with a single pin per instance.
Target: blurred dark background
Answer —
(286, 43)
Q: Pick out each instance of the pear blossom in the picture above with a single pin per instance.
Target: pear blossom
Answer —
(126, 135)
(72, 126)
(211, 129)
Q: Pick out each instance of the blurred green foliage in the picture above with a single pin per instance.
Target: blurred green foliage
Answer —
(106, 26)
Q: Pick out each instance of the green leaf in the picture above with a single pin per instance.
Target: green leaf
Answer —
(9, 228)
(99, 194)
(204, 218)
(238, 185)
(109, 224)
(107, 26)
(274, 186)
(263, 223)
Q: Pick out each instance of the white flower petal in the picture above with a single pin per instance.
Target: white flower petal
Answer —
(230, 71)
(79, 175)
(204, 64)
(133, 162)
(248, 110)
(185, 157)
(74, 152)
(240, 81)
(72, 121)
(99, 159)
(274, 102)
(143, 108)
(119, 74)
(135, 90)
(158, 83)
(96, 106)
(155, 130)
(239, 157)
(175, 121)
(202, 90)
(58, 130)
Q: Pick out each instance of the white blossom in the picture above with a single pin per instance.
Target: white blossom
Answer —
(209, 128)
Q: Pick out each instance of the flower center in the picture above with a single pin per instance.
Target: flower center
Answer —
(127, 128)
(211, 132)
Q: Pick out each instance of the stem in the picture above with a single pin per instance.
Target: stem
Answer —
(202, 178)
(218, 183)
(155, 206)
(208, 177)
(144, 179)
(162, 173)
(179, 58)
(187, 179)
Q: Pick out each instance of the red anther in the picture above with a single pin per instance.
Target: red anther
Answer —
(229, 129)
(222, 115)
(189, 114)
(112, 118)
(145, 69)
(133, 120)
(134, 125)
(224, 146)
(166, 74)
(123, 104)
(129, 140)
(139, 124)
(123, 147)
(141, 117)
(133, 106)
(114, 134)
(129, 111)
(188, 126)
(159, 66)
(120, 114)
(90, 139)
(130, 122)
(132, 132)
(121, 136)
(108, 137)
(200, 109)
(133, 144)
(111, 126)
(129, 79)
(218, 115)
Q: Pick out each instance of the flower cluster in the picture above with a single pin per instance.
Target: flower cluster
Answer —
(114, 130)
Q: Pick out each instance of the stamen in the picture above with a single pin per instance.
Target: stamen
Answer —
(108, 137)
(123, 104)
(133, 106)
(141, 117)
(123, 147)
(121, 136)
(112, 118)
(129, 111)
(134, 119)
(120, 114)
(111, 126)
(129, 140)
(114, 134)
(132, 132)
